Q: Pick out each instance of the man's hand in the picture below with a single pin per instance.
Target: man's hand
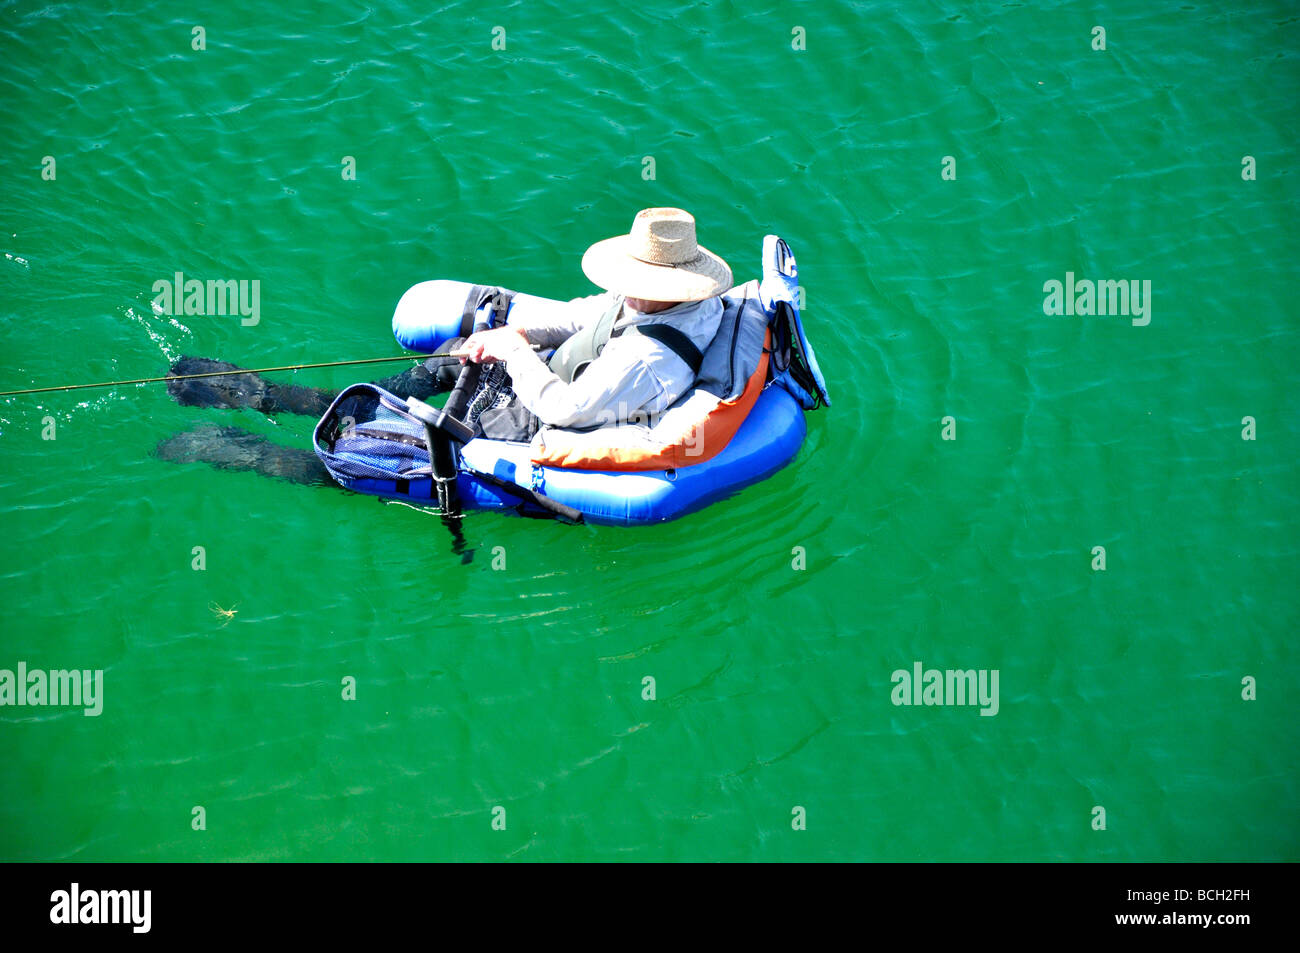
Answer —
(483, 347)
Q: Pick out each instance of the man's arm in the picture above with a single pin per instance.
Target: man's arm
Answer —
(611, 388)
(555, 325)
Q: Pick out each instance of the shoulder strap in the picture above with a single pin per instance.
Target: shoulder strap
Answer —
(572, 357)
(675, 341)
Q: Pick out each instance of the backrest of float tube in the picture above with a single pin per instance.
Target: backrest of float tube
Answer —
(734, 352)
(429, 313)
(780, 286)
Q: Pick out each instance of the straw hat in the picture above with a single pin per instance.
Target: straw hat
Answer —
(658, 261)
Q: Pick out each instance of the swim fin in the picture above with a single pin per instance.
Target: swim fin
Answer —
(232, 448)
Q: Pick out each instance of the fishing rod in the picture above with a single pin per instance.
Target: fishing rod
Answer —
(444, 358)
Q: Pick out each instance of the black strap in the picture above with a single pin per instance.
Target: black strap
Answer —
(555, 508)
(786, 355)
(573, 356)
(473, 301)
(389, 435)
(782, 338)
(675, 341)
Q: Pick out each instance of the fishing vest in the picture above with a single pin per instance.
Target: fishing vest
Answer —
(573, 356)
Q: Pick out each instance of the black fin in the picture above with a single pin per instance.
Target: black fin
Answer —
(231, 448)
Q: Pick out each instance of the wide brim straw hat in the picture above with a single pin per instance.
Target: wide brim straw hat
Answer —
(659, 260)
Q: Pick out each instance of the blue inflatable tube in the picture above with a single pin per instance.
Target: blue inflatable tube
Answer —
(432, 312)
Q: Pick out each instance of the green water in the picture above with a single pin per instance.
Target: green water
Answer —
(521, 687)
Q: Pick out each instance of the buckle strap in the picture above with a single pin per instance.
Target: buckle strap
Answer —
(501, 299)
(473, 301)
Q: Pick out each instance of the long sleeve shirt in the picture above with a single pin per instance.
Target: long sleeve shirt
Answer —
(634, 375)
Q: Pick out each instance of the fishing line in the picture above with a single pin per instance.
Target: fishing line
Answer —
(442, 359)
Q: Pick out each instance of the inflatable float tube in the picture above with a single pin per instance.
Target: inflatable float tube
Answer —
(433, 312)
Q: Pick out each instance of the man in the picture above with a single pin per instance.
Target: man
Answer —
(629, 352)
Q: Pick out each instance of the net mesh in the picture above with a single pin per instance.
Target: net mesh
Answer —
(362, 437)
